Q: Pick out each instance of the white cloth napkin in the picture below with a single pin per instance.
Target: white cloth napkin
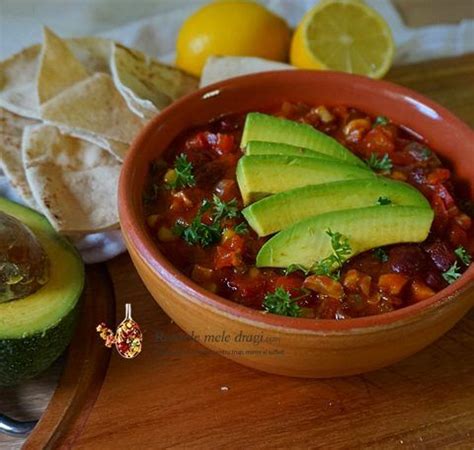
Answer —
(156, 35)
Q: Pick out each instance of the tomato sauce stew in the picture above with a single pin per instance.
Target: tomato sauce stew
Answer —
(192, 205)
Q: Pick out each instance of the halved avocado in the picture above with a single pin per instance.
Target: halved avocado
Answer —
(307, 241)
(279, 211)
(262, 175)
(262, 127)
(36, 329)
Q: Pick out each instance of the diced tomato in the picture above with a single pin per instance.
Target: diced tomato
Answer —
(225, 143)
(420, 291)
(378, 140)
(438, 176)
(392, 283)
(457, 236)
(322, 284)
(292, 284)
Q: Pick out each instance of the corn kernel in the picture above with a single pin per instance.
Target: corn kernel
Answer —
(166, 235)
(254, 272)
(324, 114)
(170, 176)
(152, 219)
(228, 233)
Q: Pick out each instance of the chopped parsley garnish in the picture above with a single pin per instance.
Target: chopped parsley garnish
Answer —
(463, 255)
(452, 274)
(241, 228)
(426, 153)
(384, 201)
(384, 163)
(330, 265)
(281, 303)
(381, 254)
(203, 234)
(182, 174)
(381, 120)
(223, 210)
(341, 251)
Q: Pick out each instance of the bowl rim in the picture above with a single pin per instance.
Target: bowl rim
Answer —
(136, 236)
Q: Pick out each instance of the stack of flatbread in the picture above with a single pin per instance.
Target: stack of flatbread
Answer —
(68, 112)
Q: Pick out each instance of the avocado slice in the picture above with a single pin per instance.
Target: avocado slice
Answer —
(262, 127)
(36, 329)
(282, 210)
(307, 242)
(262, 175)
(273, 148)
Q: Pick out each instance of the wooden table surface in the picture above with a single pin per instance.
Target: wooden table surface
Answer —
(182, 395)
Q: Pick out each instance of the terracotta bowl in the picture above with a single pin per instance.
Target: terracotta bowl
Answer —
(281, 345)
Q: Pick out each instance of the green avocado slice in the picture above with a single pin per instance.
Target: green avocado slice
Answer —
(262, 175)
(307, 242)
(284, 209)
(262, 127)
(36, 329)
(273, 148)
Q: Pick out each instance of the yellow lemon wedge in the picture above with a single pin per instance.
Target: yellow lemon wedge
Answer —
(343, 35)
(231, 28)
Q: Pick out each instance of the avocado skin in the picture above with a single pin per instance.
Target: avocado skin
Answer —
(27, 357)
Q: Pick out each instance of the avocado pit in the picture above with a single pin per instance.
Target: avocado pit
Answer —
(23, 262)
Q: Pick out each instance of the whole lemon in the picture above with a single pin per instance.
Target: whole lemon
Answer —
(231, 28)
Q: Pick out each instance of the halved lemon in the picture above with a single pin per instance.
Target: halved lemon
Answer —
(344, 35)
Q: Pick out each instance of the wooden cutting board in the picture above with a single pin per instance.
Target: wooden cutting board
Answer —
(178, 394)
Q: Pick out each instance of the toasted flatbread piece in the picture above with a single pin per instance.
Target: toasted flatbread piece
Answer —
(58, 67)
(73, 181)
(11, 130)
(147, 85)
(94, 106)
(18, 73)
(220, 68)
(17, 82)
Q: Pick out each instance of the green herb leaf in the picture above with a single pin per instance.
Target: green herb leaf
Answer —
(241, 228)
(281, 303)
(330, 266)
(198, 233)
(452, 274)
(384, 201)
(381, 120)
(183, 173)
(384, 163)
(463, 255)
(224, 210)
(381, 254)
(426, 153)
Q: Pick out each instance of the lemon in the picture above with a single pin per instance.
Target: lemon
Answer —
(237, 28)
(344, 35)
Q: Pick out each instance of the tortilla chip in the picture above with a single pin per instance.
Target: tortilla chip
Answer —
(146, 84)
(218, 68)
(58, 67)
(18, 73)
(94, 106)
(11, 129)
(17, 82)
(73, 181)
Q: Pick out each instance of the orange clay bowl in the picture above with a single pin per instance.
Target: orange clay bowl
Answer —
(282, 345)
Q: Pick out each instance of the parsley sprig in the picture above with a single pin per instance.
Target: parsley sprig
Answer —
(182, 174)
(381, 254)
(453, 273)
(463, 255)
(224, 210)
(331, 265)
(203, 234)
(384, 163)
(381, 120)
(281, 303)
(384, 201)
